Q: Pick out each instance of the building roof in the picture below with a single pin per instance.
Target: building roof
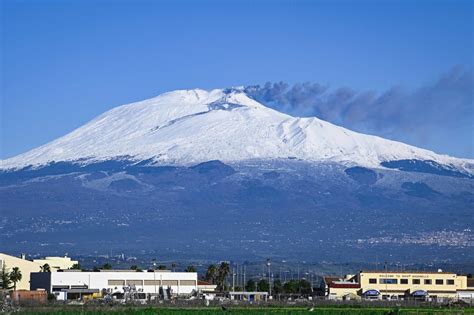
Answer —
(344, 285)
(411, 272)
(201, 282)
(330, 279)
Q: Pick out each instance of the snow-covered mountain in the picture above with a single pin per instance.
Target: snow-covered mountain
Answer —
(238, 180)
(190, 126)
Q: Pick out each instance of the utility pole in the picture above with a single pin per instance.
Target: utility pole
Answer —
(244, 284)
(233, 280)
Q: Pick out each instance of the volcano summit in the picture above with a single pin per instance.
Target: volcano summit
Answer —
(233, 177)
(192, 126)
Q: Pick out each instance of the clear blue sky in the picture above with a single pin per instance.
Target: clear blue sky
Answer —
(64, 62)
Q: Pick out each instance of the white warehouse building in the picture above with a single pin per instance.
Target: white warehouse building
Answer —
(77, 284)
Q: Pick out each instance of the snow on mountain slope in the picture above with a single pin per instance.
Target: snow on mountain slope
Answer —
(190, 126)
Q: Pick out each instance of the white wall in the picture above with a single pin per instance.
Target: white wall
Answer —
(99, 280)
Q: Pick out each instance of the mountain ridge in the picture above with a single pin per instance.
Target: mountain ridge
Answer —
(185, 127)
(188, 166)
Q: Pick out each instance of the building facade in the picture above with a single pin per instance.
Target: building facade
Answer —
(434, 286)
(341, 289)
(416, 285)
(77, 284)
(26, 268)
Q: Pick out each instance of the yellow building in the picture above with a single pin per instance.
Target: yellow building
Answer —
(57, 262)
(421, 285)
(434, 286)
(26, 268)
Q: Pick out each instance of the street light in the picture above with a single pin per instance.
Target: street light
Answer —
(233, 280)
(386, 282)
(269, 277)
(154, 276)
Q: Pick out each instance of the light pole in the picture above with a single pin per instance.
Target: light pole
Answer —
(244, 284)
(269, 277)
(386, 281)
(233, 280)
(154, 276)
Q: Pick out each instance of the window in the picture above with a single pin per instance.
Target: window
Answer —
(372, 280)
(152, 282)
(427, 281)
(450, 282)
(403, 281)
(416, 281)
(388, 281)
(439, 281)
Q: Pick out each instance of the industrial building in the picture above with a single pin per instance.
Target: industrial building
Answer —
(27, 266)
(399, 285)
(71, 284)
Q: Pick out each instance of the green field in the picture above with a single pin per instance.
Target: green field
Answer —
(241, 310)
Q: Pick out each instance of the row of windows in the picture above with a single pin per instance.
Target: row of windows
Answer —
(150, 282)
(414, 281)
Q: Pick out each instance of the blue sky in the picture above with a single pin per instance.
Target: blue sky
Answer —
(64, 62)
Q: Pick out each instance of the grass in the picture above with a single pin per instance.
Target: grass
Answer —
(242, 310)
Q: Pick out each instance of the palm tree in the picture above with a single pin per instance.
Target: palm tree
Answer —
(224, 270)
(15, 276)
(190, 268)
(212, 274)
(5, 281)
(76, 266)
(45, 268)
